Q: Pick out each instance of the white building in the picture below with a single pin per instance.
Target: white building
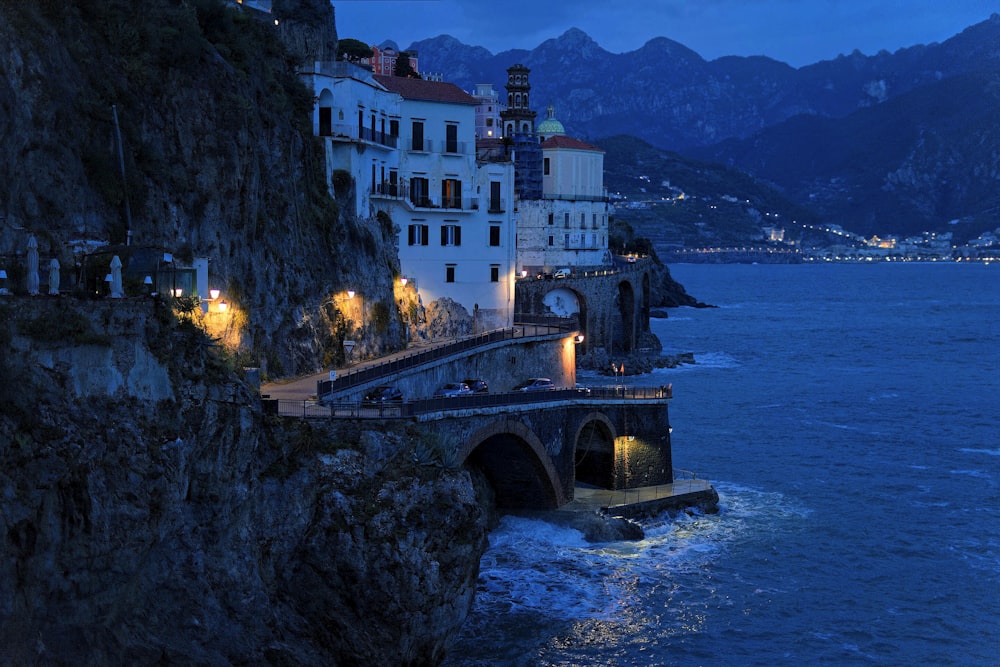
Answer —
(456, 233)
(568, 226)
(360, 120)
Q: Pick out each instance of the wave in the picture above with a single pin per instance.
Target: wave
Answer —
(969, 450)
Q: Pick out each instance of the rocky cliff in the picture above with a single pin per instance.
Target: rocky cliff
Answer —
(217, 160)
(151, 514)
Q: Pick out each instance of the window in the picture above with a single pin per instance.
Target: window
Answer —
(394, 128)
(451, 138)
(494, 273)
(551, 240)
(419, 191)
(496, 206)
(566, 240)
(583, 221)
(417, 234)
(418, 136)
(495, 235)
(451, 193)
(594, 222)
(565, 220)
(545, 166)
(449, 273)
(552, 218)
(451, 235)
(489, 121)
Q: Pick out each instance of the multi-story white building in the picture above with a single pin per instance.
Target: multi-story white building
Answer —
(456, 233)
(408, 147)
(568, 226)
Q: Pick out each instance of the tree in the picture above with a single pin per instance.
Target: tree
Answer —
(403, 67)
(353, 50)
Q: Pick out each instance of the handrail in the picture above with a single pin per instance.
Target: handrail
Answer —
(355, 377)
(406, 409)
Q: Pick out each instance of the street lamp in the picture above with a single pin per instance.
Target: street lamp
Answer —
(3, 280)
(213, 293)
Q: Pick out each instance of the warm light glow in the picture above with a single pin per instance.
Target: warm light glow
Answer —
(403, 280)
(631, 438)
(524, 273)
(178, 292)
(223, 306)
(579, 338)
(350, 294)
(214, 294)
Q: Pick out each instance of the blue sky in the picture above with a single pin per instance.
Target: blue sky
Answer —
(798, 32)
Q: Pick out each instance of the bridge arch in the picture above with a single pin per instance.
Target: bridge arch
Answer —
(594, 450)
(515, 463)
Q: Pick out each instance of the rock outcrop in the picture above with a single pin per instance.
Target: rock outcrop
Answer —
(152, 514)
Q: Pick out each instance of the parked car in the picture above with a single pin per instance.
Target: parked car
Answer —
(477, 385)
(453, 389)
(564, 273)
(582, 389)
(535, 384)
(383, 394)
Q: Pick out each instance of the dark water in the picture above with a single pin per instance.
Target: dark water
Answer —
(847, 414)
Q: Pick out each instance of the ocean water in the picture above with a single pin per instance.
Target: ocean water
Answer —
(847, 415)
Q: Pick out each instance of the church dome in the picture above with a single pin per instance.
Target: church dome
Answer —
(550, 126)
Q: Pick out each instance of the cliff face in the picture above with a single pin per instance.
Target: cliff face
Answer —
(151, 513)
(218, 157)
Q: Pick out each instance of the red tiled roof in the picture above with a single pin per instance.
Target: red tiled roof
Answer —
(431, 91)
(562, 141)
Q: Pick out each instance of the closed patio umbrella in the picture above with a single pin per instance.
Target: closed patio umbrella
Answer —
(32, 265)
(54, 276)
(116, 278)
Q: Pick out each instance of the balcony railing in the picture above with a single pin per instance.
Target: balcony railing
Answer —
(353, 132)
(498, 205)
(463, 148)
(387, 190)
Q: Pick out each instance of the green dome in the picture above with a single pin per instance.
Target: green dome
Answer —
(550, 125)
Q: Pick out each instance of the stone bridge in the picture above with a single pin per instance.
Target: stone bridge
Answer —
(612, 306)
(534, 454)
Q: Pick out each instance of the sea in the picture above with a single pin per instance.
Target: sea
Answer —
(847, 414)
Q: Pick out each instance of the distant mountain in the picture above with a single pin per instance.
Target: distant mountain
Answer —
(674, 200)
(926, 160)
(669, 96)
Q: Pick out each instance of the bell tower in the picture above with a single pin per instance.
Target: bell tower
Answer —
(517, 118)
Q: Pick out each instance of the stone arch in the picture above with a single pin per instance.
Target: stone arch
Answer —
(516, 465)
(573, 304)
(594, 451)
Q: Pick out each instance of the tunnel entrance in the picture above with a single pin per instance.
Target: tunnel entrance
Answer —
(594, 455)
(512, 468)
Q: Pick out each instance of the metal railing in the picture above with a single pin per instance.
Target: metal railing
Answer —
(353, 378)
(311, 409)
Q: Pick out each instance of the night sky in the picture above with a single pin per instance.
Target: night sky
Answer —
(798, 32)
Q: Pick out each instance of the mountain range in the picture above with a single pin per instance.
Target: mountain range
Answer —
(891, 143)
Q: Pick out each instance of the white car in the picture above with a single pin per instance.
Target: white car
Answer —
(564, 273)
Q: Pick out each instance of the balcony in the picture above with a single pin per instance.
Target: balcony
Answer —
(352, 133)
(455, 148)
(498, 205)
(403, 192)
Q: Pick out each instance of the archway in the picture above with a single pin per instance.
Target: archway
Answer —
(516, 466)
(594, 453)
